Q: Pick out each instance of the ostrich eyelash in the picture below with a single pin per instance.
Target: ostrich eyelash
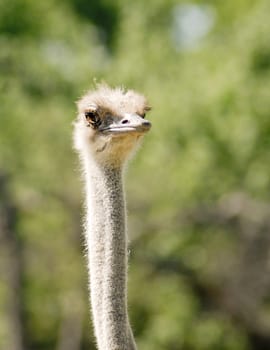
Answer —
(93, 119)
(147, 109)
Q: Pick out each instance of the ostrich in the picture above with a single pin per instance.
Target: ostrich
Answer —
(109, 127)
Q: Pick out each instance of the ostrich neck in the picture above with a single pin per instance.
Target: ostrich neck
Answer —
(107, 252)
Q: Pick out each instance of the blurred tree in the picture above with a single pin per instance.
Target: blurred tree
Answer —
(13, 267)
(103, 14)
(199, 214)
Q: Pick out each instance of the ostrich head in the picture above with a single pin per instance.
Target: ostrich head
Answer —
(110, 124)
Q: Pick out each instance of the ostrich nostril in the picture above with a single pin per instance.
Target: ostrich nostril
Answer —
(125, 121)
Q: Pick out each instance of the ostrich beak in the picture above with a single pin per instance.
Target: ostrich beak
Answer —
(129, 123)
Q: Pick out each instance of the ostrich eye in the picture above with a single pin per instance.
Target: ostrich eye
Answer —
(93, 119)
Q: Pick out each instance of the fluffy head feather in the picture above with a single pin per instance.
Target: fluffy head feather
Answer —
(116, 101)
(110, 123)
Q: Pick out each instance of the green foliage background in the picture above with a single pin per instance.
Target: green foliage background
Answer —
(198, 191)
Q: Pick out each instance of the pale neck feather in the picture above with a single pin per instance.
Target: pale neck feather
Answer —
(107, 252)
